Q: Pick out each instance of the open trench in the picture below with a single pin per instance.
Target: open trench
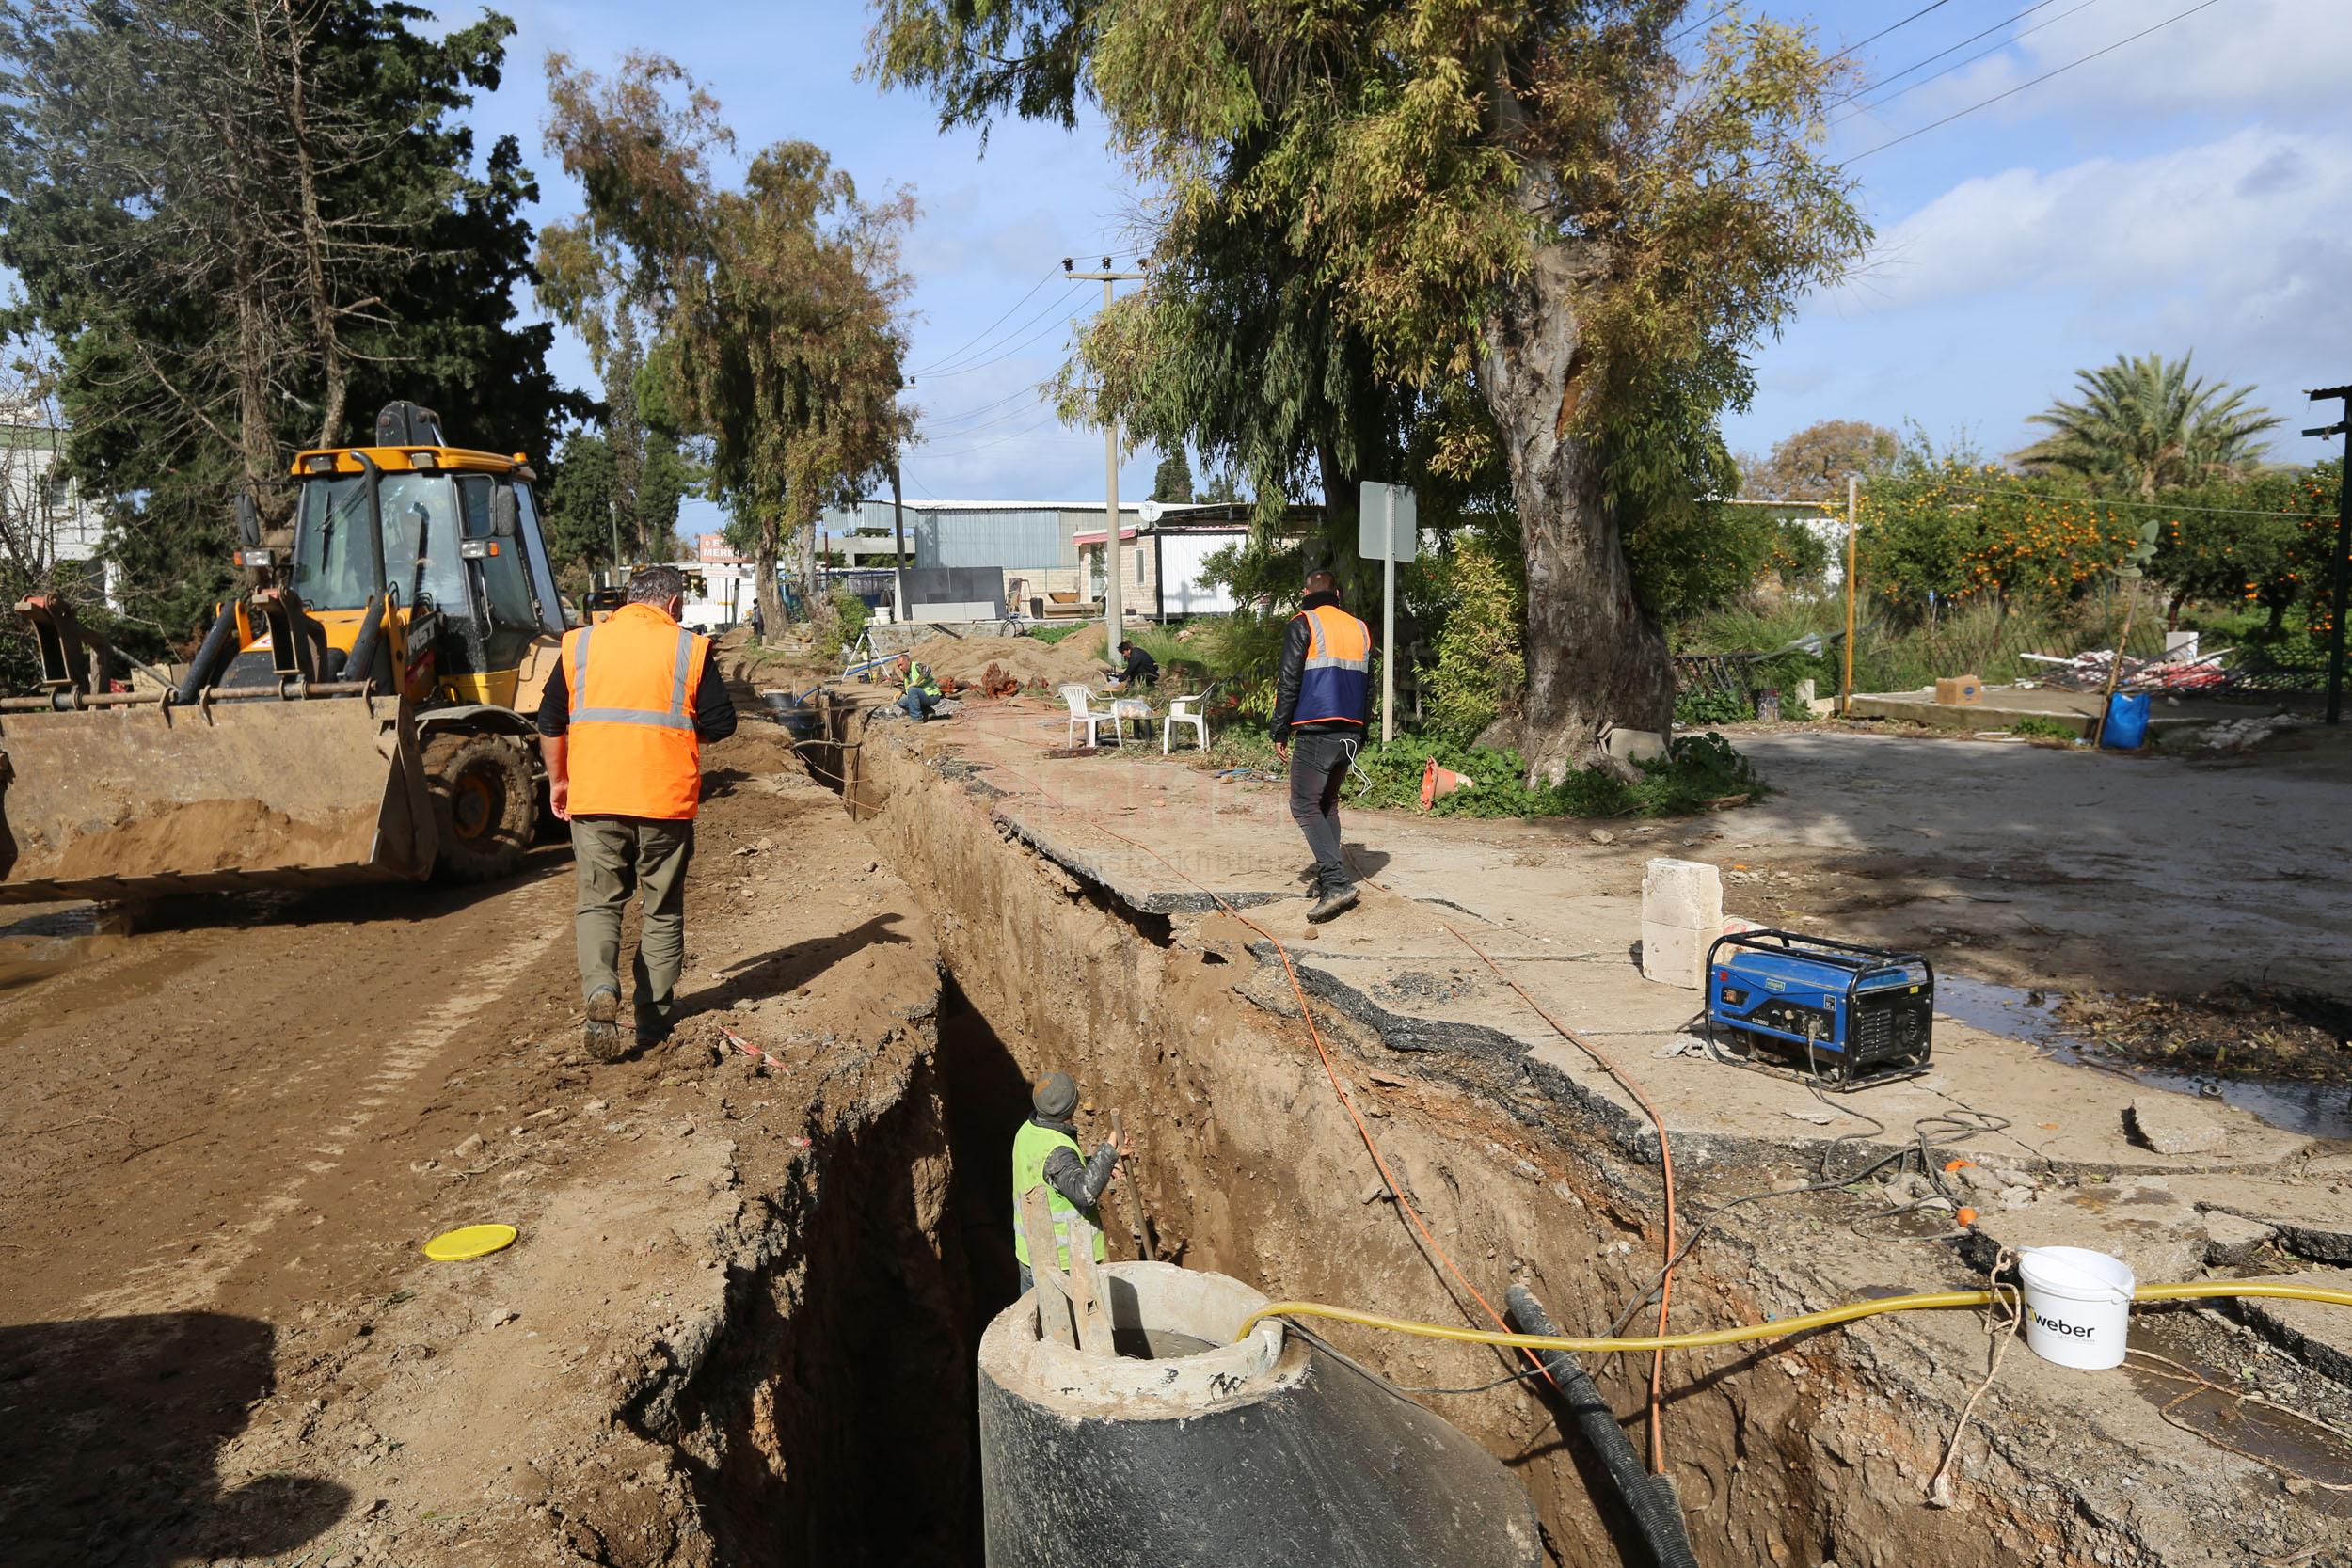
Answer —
(833, 1412)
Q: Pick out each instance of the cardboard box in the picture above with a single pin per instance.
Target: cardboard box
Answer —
(1964, 691)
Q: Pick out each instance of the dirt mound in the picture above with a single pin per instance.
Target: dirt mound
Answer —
(966, 659)
(215, 835)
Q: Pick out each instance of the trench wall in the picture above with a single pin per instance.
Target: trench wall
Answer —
(1806, 1452)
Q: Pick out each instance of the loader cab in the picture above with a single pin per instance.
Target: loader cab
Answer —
(448, 538)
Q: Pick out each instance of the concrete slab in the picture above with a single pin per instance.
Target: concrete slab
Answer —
(2077, 711)
(2316, 1333)
(1563, 923)
(2311, 1215)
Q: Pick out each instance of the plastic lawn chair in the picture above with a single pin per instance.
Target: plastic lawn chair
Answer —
(1079, 697)
(1186, 710)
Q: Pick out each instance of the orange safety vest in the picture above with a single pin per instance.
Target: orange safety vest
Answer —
(633, 750)
(1337, 679)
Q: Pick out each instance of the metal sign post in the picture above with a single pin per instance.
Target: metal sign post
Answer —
(1389, 521)
(2341, 566)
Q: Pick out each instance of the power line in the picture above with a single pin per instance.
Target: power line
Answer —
(962, 414)
(1006, 418)
(2012, 92)
(1930, 6)
(998, 441)
(950, 358)
(1016, 348)
(1930, 59)
(958, 366)
(1681, 32)
(1955, 65)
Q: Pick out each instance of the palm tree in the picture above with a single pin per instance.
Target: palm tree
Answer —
(2144, 425)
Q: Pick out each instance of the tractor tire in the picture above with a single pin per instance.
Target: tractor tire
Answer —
(484, 805)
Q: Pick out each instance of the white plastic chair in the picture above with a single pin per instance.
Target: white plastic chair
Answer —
(1078, 697)
(1185, 710)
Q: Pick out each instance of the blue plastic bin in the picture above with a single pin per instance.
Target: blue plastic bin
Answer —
(2127, 721)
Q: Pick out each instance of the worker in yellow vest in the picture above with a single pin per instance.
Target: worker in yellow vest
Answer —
(1045, 1154)
(620, 727)
(1322, 705)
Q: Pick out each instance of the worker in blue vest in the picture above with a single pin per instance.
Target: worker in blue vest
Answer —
(1322, 705)
(1046, 1152)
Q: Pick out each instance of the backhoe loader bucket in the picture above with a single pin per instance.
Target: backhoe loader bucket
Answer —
(134, 797)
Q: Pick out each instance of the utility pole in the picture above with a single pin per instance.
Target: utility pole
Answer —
(1853, 512)
(2343, 562)
(1114, 594)
(898, 522)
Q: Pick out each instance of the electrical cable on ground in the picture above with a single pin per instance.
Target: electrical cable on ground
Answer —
(1779, 1328)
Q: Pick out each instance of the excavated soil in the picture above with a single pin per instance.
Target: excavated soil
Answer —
(1077, 658)
(734, 1322)
(213, 835)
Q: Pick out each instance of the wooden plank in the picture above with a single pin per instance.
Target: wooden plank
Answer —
(1087, 1303)
(1053, 1286)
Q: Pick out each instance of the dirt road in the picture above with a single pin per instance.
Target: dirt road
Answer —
(225, 1140)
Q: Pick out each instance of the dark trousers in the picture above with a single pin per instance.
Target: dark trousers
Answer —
(1319, 763)
(612, 858)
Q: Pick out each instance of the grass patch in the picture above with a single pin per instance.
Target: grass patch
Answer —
(1049, 635)
(1697, 772)
(2033, 728)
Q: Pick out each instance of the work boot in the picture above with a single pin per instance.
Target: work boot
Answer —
(602, 1033)
(653, 1028)
(1338, 898)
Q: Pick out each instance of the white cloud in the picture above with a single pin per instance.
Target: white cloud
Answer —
(2243, 224)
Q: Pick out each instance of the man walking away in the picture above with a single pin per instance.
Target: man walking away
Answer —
(1141, 669)
(621, 728)
(1046, 1151)
(1323, 701)
(922, 693)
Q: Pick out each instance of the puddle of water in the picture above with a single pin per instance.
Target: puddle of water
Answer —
(2316, 1451)
(2314, 1110)
(50, 942)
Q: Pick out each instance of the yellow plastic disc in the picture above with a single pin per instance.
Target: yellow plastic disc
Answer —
(469, 1240)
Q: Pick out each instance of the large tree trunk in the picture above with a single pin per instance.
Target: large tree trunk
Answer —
(765, 584)
(1596, 659)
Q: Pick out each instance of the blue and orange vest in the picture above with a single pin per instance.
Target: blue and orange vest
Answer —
(1337, 683)
(633, 751)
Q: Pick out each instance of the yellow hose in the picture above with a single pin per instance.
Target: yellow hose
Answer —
(1778, 1327)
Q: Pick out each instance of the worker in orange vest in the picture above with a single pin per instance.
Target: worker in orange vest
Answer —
(620, 727)
(1322, 702)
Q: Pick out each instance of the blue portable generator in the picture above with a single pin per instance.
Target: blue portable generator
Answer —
(1843, 1014)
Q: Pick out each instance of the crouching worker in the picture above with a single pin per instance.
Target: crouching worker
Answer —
(922, 693)
(1046, 1152)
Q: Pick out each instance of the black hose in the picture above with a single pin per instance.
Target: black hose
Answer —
(206, 664)
(1644, 1496)
(360, 666)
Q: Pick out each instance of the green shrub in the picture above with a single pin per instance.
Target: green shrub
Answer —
(2033, 727)
(1482, 665)
(1697, 770)
(1712, 704)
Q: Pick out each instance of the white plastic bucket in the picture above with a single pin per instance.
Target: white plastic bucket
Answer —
(2078, 1304)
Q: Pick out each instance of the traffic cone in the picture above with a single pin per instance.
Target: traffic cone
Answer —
(1436, 781)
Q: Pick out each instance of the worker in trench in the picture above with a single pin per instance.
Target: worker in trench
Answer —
(1322, 703)
(1046, 1153)
(621, 728)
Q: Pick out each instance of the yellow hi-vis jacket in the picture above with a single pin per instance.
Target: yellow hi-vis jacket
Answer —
(1031, 1146)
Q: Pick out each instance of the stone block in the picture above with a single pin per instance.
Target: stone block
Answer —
(1688, 893)
(1675, 955)
(2174, 1124)
(1635, 745)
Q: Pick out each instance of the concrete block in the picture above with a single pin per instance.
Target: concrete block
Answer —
(2174, 1124)
(1688, 893)
(2142, 1222)
(1635, 745)
(2232, 1239)
(1803, 697)
(1674, 955)
(2318, 1335)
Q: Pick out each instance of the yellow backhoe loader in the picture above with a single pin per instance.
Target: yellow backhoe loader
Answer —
(362, 714)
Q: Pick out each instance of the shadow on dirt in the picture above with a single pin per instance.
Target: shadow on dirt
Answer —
(788, 969)
(110, 1430)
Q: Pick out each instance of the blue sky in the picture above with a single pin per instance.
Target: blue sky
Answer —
(2191, 189)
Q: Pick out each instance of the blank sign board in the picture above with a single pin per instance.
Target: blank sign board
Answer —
(1378, 530)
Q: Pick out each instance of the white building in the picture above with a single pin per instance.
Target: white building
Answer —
(45, 521)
